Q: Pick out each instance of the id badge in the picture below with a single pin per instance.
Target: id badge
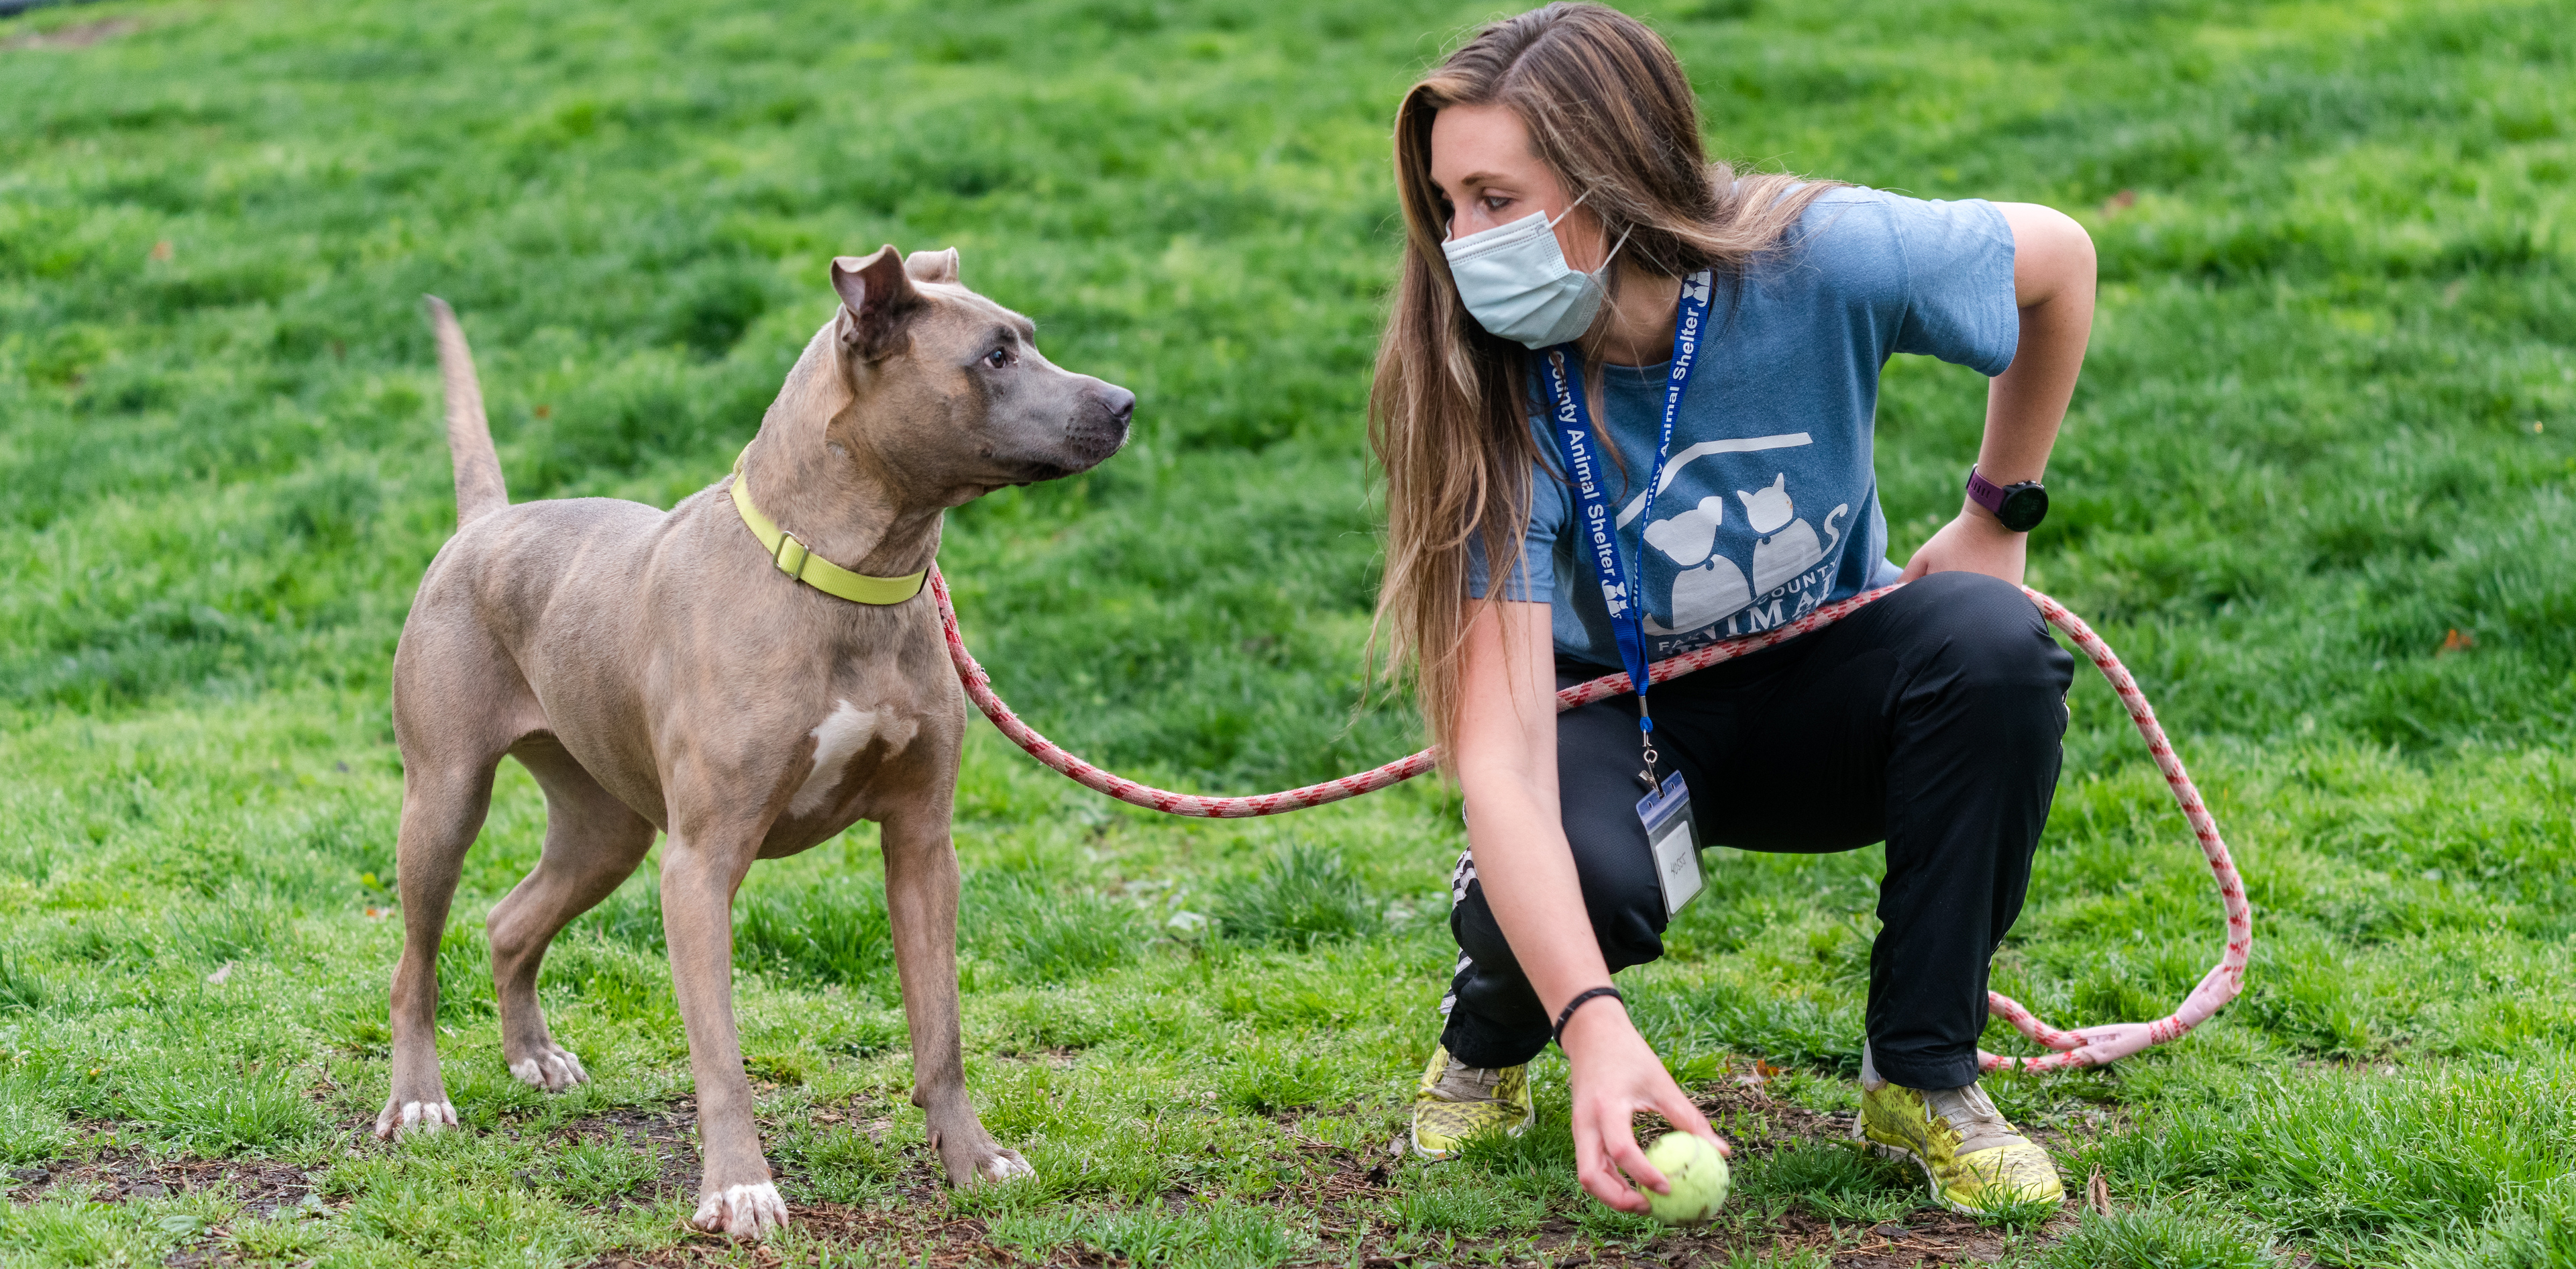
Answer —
(1666, 813)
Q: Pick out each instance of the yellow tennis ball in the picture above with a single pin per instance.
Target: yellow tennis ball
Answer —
(1697, 1173)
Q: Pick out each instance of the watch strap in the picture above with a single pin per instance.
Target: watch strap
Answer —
(1985, 493)
(2019, 506)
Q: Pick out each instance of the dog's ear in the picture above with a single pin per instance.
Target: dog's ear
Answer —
(877, 299)
(932, 266)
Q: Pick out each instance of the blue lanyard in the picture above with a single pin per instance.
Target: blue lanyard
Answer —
(1577, 439)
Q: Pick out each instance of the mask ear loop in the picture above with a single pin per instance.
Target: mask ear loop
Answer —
(1569, 208)
(1614, 251)
(1595, 277)
(1614, 247)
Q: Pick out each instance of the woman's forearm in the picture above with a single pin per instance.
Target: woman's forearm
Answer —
(2053, 285)
(1528, 875)
(1506, 763)
(2053, 280)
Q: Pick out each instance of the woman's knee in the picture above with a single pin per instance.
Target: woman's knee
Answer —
(1479, 935)
(1612, 862)
(1627, 913)
(1986, 632)
(1616, 869)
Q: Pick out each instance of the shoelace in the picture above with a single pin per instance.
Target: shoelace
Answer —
(1973, 1115)
(1467, 1084)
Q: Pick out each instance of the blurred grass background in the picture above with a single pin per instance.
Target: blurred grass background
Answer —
(2315, 487)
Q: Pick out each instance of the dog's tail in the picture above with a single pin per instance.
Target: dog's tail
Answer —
(469, 436)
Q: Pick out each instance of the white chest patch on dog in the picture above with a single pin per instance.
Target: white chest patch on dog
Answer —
(838, 738)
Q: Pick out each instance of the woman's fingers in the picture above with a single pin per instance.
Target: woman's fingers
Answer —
(1594, 1135)
(1678, 1109)
(1587, 1145)
(1624, 1151)
(1604, 1183)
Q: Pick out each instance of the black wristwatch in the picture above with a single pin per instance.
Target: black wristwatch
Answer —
(2021, 507)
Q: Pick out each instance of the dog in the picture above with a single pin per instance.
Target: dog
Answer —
(665, 673)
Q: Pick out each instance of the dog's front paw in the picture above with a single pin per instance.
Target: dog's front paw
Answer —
(971, 1158)
(1005, 1165)
(552, 1067)
(414, 1116)
(743, 1211)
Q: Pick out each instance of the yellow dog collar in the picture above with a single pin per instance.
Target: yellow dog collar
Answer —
(793, 559)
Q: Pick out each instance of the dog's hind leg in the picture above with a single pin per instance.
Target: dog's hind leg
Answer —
(443, 808)
(593, 842)
(921, 905)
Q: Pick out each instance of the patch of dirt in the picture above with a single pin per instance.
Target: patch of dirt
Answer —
(120, 1175)
(924, 1238)
(1922, 1238)
(1058, 1057)
(114, 1176)
(667, 1134)
(76, 35)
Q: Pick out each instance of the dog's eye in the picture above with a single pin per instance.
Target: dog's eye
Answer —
(997, 358)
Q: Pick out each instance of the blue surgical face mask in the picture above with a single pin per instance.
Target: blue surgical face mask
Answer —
(1515, 283)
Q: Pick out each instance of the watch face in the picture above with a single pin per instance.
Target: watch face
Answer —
(2024, 507)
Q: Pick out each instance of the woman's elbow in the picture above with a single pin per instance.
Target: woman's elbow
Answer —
(2052, 253)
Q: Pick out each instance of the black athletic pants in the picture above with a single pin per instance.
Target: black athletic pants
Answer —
(1929, 720)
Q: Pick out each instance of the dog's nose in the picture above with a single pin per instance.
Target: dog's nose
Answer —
(1120, 402)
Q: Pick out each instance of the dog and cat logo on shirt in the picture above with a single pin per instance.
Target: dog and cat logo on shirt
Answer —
(1789, 574)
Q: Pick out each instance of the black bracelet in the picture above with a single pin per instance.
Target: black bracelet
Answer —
(1566, 1014)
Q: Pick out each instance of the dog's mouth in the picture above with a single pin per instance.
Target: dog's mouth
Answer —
(1086, 445)
(1038, 471)
(1092, 441)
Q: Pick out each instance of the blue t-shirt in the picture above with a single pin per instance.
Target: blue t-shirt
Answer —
(1770, 500)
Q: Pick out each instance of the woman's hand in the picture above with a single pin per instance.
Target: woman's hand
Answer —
(1615, 1076)
(1974, 542)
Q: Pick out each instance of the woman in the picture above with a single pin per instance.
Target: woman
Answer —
(1587, 301)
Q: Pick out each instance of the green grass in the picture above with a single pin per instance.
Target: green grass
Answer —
(2324, 425)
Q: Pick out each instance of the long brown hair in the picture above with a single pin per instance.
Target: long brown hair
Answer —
(1610, 113)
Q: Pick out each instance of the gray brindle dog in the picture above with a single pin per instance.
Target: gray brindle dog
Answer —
(660, 672)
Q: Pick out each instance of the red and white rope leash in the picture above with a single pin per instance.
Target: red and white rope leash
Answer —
(2086, 1046)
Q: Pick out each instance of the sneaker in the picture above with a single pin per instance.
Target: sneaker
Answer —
(1973, 1157)
(1455, 1102)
